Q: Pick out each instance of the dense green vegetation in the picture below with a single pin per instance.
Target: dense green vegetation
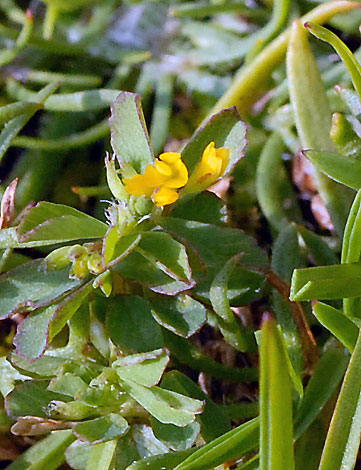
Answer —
(180, 235)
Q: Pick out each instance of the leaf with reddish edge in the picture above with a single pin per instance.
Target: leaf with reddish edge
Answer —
(28, 287)
(129, 135)
(225, 129)
(58, 223)
(47, 323)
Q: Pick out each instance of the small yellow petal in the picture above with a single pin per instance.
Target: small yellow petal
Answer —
(212, 166)
(224, 154)
(169, 157)
(179, 175)
(137, 186)
(153, 178)
(163, 168)
(165, 196)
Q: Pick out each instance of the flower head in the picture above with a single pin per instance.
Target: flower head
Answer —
(161, 180)
(212, 166)
(169, 174)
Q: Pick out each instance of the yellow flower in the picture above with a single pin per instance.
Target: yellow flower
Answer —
(161, 180)
(212, 166)
(169, 173)
(164, 196)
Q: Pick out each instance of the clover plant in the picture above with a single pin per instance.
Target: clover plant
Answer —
(185, 297)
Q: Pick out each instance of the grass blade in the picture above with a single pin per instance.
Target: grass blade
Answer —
(276, 441)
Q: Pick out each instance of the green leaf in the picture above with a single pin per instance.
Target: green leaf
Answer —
(215, 245)
(144, 369)
(273, 186)
(79, 101)
(290, 333)
(58, 223)
(77, 454)
(345, 170)
(115, 249)
(43, 368)
(244, 285)
(320, 388)
(9, 239)
(320, 251)
(343, 437)
(169, 255)
(225, 129)
(28, 287)
(130, 324)
(31, 398)
(275, 402)
(251, 81)
(187, 353)
(175, 437)
(102, 429)
(47, 323)
(231, 446)
(166, 406)
(350, 98)
(345, 139)
(313, 118)
(101, 455)
(13, 110)
(68, 384)
(24, 340)
(326, 282)
(214, 420)
(238, 336)
(163, 461)
(47, 453)
(129, 135)
(351, 243)
(204, 207)
(286, 256)
(182, 315)
(14, 126)
(337, 323)
(145, 269)
(351, 251)
(343, 51)
(286, 253)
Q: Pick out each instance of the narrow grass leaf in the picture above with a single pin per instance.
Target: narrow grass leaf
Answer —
(343, 437)
(276, 430)
(337, 323)
(322, 385)
(345, 170)
(326, 282)
(232, 445)
(343, 51)
(313, 118)
(351, 251)
(14, 126)
(251, 81)
(163, 461)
